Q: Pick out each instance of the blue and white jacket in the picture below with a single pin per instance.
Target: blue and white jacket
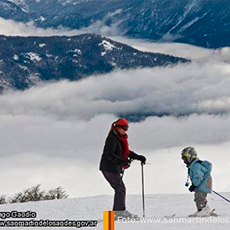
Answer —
(200, 175)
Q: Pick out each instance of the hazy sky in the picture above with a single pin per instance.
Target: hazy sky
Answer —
(53, 134)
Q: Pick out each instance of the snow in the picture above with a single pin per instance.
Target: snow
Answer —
(42, 45)
(67, 2)
(23, 67)
(192, 6)
(16, 57)
(114, 64)
(17, 1)
(41, 18)
(21, 4)
(34, 56)
(107, 45)
(189, 24)
(156, 207)
(74, 2)
(78, 51)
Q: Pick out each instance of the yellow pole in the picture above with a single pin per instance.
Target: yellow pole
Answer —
(108, 220)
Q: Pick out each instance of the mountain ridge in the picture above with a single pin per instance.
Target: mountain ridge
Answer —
(28, 60)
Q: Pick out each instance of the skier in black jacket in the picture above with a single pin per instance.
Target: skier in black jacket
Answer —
(115, 159)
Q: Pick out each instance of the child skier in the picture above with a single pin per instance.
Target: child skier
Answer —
(199, 173)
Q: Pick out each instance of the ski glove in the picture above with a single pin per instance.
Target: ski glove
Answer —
(135, 156)
(141, 158)
(192, 188)
(126, 163)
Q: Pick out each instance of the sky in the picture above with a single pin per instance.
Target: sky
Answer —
(53, 134)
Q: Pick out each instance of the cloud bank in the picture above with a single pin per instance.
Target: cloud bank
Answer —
(174, 91)
(12, 28)
(63, 125)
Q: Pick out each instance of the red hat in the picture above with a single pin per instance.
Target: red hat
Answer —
(122, 122)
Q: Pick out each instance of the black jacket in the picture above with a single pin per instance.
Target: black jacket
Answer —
(111, 160)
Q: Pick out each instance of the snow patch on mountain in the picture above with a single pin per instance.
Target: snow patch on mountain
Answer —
(189, 8)
(73, 2)
(75, 52)
(17, 2)
(40, 19)
(108, 46)
(23, 67)
(21, 4)
(42, 45)
(33, 56)
(78, 51)
(16, 58)
(192, 6)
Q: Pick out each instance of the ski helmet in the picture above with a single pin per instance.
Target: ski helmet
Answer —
(190, 154)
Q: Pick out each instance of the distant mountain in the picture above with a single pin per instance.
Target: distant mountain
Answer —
(27, 60)
(200, 22)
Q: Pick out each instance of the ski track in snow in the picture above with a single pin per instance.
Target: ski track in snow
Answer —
(157, 206)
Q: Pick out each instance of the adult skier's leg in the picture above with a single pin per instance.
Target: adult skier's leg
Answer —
(116, 182)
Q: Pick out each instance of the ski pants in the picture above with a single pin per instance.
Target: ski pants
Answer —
(116, 182)
(200, 199)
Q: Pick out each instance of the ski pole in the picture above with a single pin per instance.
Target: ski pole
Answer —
(143, 196)
(221, 196)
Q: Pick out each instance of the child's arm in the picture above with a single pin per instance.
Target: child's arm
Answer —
(198, 174)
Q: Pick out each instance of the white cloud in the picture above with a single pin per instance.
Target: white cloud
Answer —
(12, 28)
(179, 90)
(61, 127)
(195, 53)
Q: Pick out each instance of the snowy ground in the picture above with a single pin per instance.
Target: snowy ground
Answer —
(157, 207)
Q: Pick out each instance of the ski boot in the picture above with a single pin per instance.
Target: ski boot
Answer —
(204, 212)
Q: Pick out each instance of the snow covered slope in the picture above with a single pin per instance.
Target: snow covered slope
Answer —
(157, 207)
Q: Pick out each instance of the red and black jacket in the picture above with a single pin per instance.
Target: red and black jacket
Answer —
(112, 157)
